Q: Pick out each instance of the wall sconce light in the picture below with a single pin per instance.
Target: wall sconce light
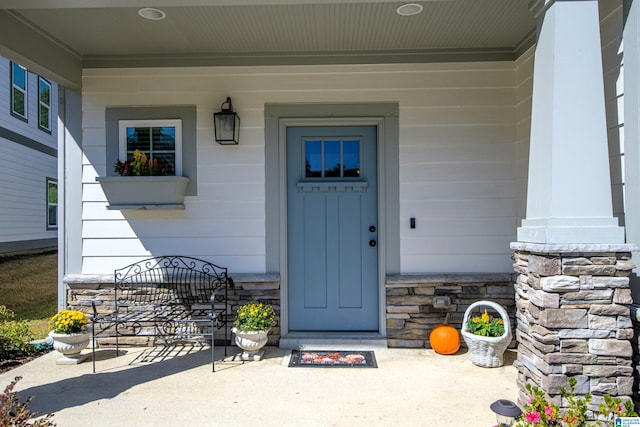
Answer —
(226, 124)
(506, 412)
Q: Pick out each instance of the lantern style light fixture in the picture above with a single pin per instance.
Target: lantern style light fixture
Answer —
(226, 124)
(506, 412)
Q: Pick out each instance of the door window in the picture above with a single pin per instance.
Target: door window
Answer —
(332, 158)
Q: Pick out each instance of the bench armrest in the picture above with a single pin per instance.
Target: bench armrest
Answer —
(213, 313)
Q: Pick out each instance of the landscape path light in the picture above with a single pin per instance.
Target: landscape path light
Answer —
(506, 412)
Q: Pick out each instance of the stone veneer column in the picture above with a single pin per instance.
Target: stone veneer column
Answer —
(573, 318)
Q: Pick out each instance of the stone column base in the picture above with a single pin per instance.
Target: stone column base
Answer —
(573, 319)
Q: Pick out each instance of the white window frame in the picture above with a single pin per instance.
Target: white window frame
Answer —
(42, 105)
(24, 91)
(176, 123)
(50, 204)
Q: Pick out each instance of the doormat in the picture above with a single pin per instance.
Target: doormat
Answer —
(332, 359)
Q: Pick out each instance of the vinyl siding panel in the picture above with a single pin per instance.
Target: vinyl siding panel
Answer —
(458, 135)
(457, 173)
(23, 192)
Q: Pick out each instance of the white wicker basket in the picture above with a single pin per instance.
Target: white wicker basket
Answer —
(486, 351)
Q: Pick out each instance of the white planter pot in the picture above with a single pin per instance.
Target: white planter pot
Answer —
(144, 192)
(71, 346)
(251, 342)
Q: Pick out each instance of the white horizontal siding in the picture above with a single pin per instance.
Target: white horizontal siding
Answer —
(107, 264)
(145, 227)
(438, 172)
(457, 154)
(218, 246)
(456, 245)
(445, 263)
(461, 208)
(457, 179)
(486, 133)
(23, 209)
(463, 227)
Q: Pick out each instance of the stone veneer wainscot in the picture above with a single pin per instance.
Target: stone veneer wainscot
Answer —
(81, 289)
(411, 314)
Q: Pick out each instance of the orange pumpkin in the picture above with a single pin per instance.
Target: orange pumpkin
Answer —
(444, 338)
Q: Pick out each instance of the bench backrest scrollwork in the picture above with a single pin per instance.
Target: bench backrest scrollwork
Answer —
(170, 280)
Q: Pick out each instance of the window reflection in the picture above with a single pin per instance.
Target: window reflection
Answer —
(351, 158)
(157, 143)
(332, 158)
(313, 159)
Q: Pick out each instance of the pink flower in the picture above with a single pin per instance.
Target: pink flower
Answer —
(532, 417)
(549, 412)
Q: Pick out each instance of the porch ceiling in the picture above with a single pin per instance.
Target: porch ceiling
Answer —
(108, 33)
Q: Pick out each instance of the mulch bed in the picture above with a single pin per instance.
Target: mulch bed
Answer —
(17, 358)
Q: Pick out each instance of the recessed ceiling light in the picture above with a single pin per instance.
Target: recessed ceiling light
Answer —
(409, 9)
(152, 13)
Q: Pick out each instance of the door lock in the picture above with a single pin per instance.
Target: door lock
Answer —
(372, 228)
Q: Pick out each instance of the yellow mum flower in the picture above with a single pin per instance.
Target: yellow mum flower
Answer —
(69, 321)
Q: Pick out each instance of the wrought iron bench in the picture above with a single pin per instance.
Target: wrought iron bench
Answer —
(169, 299)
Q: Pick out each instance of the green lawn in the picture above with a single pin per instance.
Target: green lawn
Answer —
(28, 287)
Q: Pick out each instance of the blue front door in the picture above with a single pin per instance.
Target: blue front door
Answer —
(332, 228)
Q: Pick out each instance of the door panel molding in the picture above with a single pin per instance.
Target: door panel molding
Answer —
(382, 115)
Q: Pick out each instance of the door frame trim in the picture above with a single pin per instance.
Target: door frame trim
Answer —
(382, 115)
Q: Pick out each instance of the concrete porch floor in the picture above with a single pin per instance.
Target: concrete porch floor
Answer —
(409, 387)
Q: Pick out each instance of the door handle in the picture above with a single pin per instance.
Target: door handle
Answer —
(372, 243)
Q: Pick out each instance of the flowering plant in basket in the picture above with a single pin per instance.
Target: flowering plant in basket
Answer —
(69, 322)
(255, 316)
(486, 325)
